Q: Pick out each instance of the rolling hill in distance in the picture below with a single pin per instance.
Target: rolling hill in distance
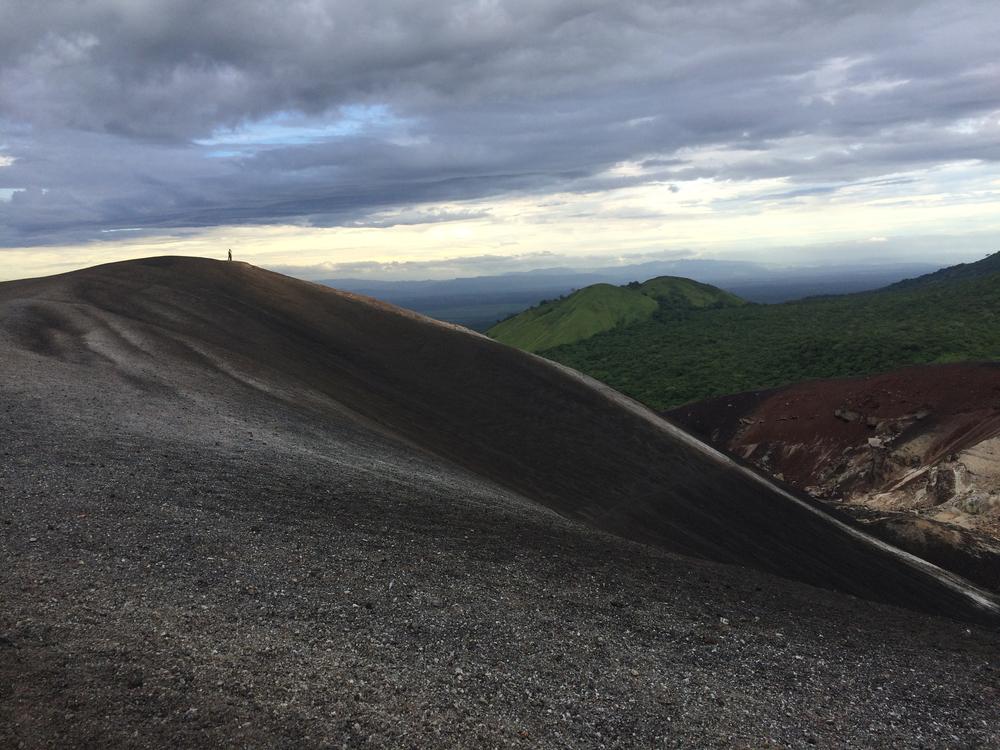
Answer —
(679, 355)
(602, 307)
(582, 314)
(479, 302)
(959, 272)
(242, 508)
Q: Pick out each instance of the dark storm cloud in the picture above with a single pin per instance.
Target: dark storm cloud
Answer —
(155, 115)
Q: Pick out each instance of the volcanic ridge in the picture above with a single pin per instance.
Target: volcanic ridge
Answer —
(239, 507)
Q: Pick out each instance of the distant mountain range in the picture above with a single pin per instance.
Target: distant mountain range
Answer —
(478, 302)
(678, 354)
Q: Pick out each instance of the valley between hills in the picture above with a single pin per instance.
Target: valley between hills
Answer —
(242, 509)
(907, 447)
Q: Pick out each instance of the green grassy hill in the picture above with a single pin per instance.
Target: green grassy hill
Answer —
(678, 293)
(603, 307)
(584, 313)
(671, 359)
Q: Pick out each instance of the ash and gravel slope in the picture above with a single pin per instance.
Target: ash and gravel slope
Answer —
(179, 325)
(199, 550)
(245, 577)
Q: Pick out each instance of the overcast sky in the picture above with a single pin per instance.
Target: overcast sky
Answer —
(319, 133)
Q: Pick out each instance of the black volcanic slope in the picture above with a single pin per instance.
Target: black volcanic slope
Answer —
(545, 432)
(238, 507)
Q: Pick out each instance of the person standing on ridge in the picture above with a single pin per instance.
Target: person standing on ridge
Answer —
(230, 254)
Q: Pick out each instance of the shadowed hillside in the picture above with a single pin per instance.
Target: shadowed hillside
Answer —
(179, 325)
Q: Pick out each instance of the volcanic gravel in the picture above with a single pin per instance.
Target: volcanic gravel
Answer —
(186, 572)
(210, 535)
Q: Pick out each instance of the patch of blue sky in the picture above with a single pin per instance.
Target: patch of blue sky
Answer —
(288, 128)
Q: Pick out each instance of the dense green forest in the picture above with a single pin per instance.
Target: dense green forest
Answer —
(676, 356)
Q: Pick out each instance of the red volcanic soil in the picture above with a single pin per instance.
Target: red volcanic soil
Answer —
(955, 405)
(914, 453)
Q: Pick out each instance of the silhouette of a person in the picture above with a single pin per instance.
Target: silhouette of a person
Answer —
(230, 255)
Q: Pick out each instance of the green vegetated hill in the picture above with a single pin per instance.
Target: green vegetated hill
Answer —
(988, 265)
(604, 307)
(684, 294)
(678, 355)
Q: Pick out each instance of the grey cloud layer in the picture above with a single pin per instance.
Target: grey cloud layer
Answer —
(107, 106)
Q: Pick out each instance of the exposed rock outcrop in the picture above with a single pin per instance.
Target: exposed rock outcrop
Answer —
(924, 441)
